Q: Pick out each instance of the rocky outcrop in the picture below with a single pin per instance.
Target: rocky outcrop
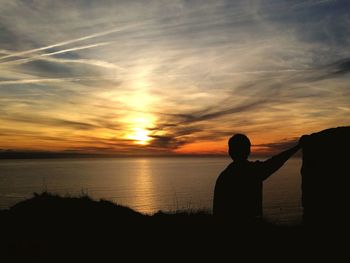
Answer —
(326, 176)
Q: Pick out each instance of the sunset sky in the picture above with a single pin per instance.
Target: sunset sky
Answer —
(163, 77)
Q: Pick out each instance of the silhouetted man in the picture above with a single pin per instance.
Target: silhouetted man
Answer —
(238, 189)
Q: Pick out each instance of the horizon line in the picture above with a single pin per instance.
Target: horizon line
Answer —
(11, 154)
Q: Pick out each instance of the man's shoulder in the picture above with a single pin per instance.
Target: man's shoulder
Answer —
(229, 169)
(233, 168)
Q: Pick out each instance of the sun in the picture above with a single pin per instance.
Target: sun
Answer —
(140, 136)
(138, 128)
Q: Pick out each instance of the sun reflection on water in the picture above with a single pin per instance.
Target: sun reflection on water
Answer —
(144, 199)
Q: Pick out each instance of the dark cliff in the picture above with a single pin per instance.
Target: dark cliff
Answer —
(325, 176)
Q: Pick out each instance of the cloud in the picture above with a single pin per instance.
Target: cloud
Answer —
(189, 72)
(276, 147)
(340, 67)
(217, 114)
(41, 120)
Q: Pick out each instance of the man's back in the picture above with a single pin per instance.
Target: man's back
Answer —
(238, 191)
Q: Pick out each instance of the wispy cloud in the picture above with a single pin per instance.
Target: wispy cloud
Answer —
(84, 75)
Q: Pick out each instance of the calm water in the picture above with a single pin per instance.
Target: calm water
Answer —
(145, 184)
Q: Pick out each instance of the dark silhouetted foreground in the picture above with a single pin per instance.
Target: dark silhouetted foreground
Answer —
(326, 177)
(49, 228)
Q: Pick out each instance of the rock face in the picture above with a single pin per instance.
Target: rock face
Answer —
(326, 176)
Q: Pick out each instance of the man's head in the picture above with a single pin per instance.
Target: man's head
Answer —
(239, 147)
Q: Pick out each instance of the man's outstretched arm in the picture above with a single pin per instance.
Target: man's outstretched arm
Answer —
(274, 163)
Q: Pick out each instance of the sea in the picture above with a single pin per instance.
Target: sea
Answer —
(146, 184)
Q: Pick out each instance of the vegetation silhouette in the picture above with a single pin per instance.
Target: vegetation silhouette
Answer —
(80, 228)
(50, 228)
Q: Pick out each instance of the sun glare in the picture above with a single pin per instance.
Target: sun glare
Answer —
(140, 136)
(139, 121)
(138, 130)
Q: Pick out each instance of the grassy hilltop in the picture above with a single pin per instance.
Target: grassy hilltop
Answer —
(48, 227)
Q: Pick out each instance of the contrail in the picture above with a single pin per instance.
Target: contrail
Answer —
(52, 80)
(70, 41)
(93, 62)
(25, 60)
